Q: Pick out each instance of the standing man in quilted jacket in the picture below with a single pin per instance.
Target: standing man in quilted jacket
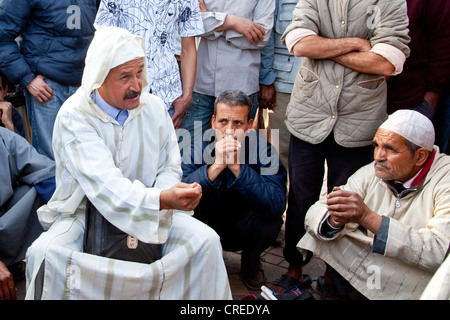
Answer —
(49, 62)
(338, 100)
(243, 184)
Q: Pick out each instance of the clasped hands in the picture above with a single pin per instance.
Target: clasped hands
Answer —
(228, 149)
(345, 207)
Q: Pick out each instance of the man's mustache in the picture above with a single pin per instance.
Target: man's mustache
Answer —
(132, 94)
(383, 164)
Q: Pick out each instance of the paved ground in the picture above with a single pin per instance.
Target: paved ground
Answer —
(274, 266)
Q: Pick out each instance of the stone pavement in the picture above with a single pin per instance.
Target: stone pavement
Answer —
(274, 267)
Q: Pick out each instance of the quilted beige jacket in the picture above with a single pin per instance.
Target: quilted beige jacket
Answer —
(328, 97)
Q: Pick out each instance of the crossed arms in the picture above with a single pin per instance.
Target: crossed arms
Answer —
(351, 52)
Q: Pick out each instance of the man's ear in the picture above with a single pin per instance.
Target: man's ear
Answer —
(213, 122)
(422, 156)
(250, 124)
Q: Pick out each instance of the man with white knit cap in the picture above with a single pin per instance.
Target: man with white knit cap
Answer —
(116, 147)
(384, 241)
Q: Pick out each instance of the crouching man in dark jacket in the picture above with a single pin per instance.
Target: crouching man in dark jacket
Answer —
(243, 184)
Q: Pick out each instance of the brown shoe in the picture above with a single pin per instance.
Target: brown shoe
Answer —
(256, 280)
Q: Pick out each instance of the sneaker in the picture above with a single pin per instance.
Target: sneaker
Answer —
(291, 294)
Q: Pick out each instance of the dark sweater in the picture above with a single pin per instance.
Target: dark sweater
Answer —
(428, 67)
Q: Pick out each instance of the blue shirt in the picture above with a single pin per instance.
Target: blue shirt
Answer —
(119, 115)
(278, 65)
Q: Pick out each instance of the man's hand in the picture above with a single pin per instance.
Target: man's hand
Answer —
(228, 149)
(346, 206)
(432, 98)
(7, 288)
(6, 115)
(202, 6)
(181, 196)
(40, 90)
(267, 96)
(251, 30)
(180, 106)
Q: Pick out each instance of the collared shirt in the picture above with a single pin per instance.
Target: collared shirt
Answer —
(409, 183)
(158, 22)
(119, 115)
(231, 62)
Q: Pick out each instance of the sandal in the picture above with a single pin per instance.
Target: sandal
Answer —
(295, 294)
(286, 282)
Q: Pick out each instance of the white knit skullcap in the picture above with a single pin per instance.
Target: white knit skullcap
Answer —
(412, 126)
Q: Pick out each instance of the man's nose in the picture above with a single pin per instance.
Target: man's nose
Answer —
(136, 84)
(379, 154)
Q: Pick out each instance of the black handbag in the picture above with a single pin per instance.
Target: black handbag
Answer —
(102, 238)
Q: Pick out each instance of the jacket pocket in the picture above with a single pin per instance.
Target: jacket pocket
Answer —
(370, 85)
(306, 83)
(307, 75)
(285, 13)
(282, 62)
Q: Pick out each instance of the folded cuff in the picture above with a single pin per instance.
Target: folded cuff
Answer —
(392, 54)
(296, 35)
(380, 240)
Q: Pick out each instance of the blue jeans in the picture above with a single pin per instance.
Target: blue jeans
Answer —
(42, 115)
(202, 109)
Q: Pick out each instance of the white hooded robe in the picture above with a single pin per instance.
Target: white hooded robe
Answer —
(122, 170)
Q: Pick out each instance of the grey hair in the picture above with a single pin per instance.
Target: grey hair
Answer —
(233, 98)
(412, 147)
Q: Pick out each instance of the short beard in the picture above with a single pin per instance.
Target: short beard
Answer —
(380, 174)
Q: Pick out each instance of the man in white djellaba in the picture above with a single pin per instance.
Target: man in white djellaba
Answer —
(115, 146)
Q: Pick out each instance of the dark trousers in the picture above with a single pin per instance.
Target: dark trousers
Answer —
(246, 231)
(306, 174)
